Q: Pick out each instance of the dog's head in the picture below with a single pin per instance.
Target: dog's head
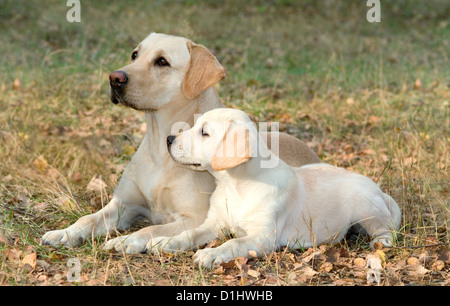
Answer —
(162, 67)
(220, 140)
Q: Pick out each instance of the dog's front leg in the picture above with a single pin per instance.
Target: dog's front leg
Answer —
(114, 216)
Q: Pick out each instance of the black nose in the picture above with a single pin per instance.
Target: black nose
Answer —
(170, 140)
(118, 78)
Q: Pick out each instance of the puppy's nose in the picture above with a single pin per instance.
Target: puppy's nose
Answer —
(170, 140)
(118, 78)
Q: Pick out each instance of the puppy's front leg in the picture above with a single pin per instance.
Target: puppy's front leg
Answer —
(189, 239)
(260, 244)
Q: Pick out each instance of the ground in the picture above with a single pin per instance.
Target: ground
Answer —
(370, 97)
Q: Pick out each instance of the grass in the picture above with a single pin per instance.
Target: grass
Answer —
(370, 97)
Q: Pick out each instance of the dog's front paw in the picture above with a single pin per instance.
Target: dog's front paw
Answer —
(70, 237)
(130, 244)
(211, 257)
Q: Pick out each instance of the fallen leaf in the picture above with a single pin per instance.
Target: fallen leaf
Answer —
(13, 254)
(326, 267)
(76, 177)
(128, 149)
(311, 255)
(30, 259)
(40, 163)
(438, 265)
(54, 174)
(96, 184)
(42, 264)
(359, 262)
(418, 84)
(3, 240)
(16, 84)
(220, 270)
(253, 273)
(417, 271)
(344, 282)
(412, 261)
(305, 273)
(7, 178)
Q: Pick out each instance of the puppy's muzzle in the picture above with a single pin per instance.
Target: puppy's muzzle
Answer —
(117, 80)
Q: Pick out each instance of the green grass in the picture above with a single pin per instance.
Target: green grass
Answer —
(345, 86)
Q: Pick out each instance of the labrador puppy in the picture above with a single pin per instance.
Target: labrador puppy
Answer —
(269, 207)
(170, 79)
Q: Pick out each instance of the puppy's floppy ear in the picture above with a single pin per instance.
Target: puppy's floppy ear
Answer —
(234, 149)
(202, 72)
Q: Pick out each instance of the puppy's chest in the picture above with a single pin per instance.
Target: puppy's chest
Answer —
(234, 217)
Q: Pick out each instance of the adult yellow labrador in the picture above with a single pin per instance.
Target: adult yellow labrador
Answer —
(267, 207)
(169, 78)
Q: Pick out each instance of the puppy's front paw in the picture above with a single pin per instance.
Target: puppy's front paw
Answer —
(385, 240)
(70, 237)
(167, 244)
(130, 244)
(210, 257)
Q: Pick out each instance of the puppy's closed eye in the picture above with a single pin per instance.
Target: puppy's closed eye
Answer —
(204, 133)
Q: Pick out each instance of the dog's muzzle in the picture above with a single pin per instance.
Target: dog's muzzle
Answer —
(117, 80)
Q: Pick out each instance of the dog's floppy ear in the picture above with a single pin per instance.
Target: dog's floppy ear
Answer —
(202, 72)
(234, 149)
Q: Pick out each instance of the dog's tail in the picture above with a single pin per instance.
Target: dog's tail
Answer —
(396, 213)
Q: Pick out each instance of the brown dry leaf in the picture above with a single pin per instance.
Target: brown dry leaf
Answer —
(253, 273)
(128, 149)
(40, 163)
(76, 177)
(30, 259)
(53, 173)
(412, 261)
(42, 280)
(13, 254)
(418, 84)
(374, 120)
(431, 240)
(7, 178)
(16, 84)
(220, 270)
(438, 265)
(96, 184)
(326, 267)
(359, 262)
(311, 254)
(238, 262)
(417, 271)
(305, 273)
(344, 282)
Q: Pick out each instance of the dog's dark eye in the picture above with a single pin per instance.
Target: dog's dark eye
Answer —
(161, 61)
(204, 134)
(134, 55)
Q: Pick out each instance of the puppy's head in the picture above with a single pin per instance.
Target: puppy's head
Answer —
(220, 140)
(162, 67)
